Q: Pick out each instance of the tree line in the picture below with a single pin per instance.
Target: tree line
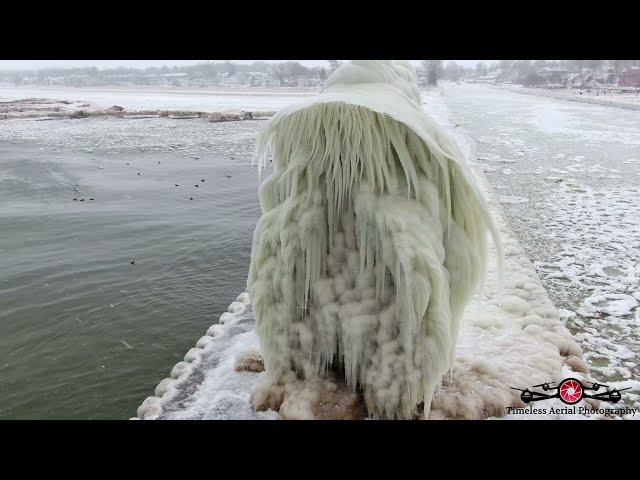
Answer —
(522, 71)
(286, 72)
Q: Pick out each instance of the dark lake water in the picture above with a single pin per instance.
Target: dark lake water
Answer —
(84, 333)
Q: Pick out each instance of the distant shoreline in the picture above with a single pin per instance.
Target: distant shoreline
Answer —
(260, 91)
(606, 100)
(50, 109)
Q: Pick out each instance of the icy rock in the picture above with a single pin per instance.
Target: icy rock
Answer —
(230, 116)
(250, 361)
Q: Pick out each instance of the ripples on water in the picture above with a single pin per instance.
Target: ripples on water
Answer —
(83, 332)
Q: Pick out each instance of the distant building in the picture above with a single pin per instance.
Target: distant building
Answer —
(555, 76)
(630, 78)
(491, 77)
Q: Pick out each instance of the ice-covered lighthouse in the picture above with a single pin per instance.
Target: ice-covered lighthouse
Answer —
(373, 236)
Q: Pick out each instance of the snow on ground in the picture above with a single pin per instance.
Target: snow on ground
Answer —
(516, 338)
(630, 100)
(159, 99)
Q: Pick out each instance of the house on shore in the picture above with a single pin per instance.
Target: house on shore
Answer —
(554, 77)
(630, 78)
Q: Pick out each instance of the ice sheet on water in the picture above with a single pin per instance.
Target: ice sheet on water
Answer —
(184, 138)
(613, 304)
(166, 99)
(513, 199)
(581, 225)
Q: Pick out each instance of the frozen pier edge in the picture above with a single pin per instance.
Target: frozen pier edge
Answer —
(520, 342)
(513, 340)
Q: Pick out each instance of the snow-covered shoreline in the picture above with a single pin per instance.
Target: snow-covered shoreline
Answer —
(205, 100)
(512, 340)
(50, 109)
(280, 91)
(629, 102)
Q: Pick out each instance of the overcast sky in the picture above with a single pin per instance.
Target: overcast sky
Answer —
(37, 64)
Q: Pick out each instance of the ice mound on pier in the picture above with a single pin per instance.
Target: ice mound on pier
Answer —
(373, 237)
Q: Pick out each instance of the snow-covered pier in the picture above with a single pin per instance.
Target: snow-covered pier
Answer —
(509, 338)
(513, 340)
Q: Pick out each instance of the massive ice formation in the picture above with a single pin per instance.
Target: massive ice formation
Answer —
(372, 239)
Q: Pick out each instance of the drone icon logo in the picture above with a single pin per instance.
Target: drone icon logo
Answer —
(570, 391)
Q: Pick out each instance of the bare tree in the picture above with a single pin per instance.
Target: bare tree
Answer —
(334, 65)
(433, 70)
(452, 71)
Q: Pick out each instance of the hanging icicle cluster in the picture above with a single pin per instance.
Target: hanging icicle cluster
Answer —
(371, 241)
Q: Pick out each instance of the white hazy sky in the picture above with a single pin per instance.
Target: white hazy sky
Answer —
(37, 64)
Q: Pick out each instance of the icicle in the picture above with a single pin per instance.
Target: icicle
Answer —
(372, 240)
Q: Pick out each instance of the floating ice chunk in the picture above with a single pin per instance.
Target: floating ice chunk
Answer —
(614, 304)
